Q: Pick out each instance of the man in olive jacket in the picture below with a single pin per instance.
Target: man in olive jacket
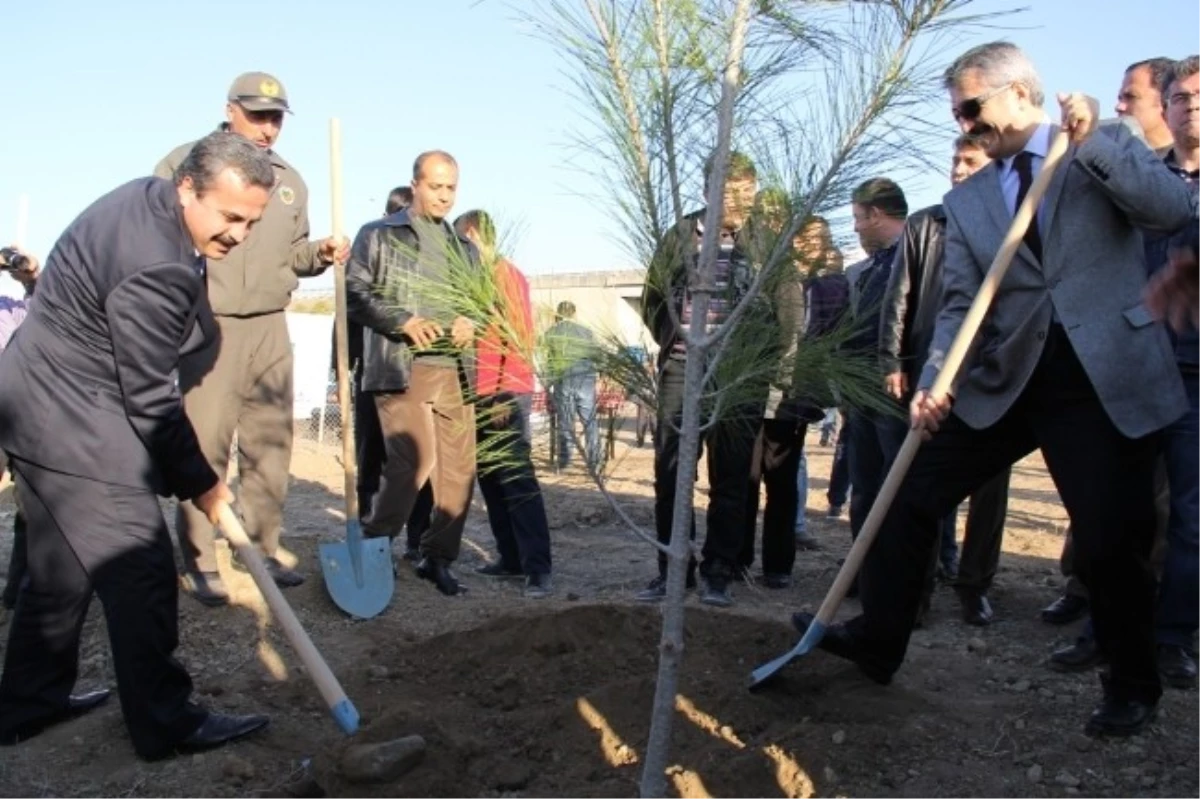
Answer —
(242, 383)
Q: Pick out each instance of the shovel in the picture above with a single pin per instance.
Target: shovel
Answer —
(358, 574)
(342, 708)
(912, 442)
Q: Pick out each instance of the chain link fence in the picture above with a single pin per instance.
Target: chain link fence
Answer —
(619, 422)
(318, 420)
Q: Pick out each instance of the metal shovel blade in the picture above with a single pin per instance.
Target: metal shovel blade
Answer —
(808, 642)
(358, 573)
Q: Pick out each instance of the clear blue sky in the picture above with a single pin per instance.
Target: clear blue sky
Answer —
(95, 93)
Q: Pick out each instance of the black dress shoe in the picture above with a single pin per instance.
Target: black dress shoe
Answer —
(77, 705)
(1176, 666)
(923, 612)
(947, 572)
(976, 609)
(715, 591)
(538, 586)
(499, 570)
(282, 575)
(1064, 610)
(1120, 718)
(207, 588)
(438, 572)
(1079, 656)
(776, 581)
(839, 641)
(218, 729)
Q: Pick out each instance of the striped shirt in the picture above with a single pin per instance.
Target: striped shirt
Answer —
(722, 299)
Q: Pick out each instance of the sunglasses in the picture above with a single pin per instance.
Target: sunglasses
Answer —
(972, 108)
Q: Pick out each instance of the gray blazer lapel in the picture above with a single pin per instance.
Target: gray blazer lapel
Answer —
(993, 197)
(1054, 191)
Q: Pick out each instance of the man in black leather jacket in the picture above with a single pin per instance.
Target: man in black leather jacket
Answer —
(416, 362)
(906, 327)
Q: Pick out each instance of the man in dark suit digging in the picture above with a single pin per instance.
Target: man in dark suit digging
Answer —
(93, 420)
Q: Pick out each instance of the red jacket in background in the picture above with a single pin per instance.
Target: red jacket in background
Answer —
(502, 366)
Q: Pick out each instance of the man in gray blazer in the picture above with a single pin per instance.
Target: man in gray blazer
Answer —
(1068, 360)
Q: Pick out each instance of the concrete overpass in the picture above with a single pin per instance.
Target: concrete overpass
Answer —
(607, 302)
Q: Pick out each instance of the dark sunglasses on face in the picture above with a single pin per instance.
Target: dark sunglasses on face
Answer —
(971, 109)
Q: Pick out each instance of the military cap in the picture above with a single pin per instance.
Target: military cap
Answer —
(258, 91)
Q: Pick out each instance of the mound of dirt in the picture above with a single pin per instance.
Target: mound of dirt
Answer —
(559, 705)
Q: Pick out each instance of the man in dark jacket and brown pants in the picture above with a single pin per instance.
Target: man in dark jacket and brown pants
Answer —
(417, 363)
(242, 383)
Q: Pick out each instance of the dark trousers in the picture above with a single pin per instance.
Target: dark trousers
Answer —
(17, 559)
(984, 535)
(372, 454)
(1106, 484)
(515, 508)
(777, 451)
(86, 536)
(369, 446)
(730, 446)
(1162, 513)
(1178, 607)
(16, 563)
(873, 445)
(839, 473)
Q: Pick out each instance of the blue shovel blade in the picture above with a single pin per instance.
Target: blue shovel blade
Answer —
(358, 573)
(812, 636)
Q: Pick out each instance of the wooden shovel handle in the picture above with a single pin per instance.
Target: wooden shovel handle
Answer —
(318, 669)
(349, 453)
(945, 379)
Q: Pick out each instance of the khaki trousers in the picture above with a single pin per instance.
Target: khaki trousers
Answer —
(429, 434)
(243, 384)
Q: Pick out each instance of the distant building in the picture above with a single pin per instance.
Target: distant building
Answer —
(610, 303)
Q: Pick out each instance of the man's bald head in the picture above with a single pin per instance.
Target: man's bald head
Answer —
(434, 184)
(429, 157)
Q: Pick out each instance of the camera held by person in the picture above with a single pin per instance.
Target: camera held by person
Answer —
(21, 266)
